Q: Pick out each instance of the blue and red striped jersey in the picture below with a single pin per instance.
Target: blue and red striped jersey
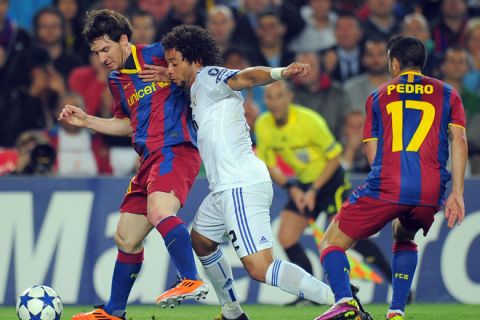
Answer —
(410, 116)
(158, 111)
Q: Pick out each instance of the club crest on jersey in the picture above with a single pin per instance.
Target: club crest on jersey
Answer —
(147, 90)
(303, 155)
(213, 72)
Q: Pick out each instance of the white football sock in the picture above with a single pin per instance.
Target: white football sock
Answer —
(291, 278)
(219, 273)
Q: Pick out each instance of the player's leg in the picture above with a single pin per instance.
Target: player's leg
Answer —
(207, 233)
(162, 209)
(132, 228)
(219, 272)
(161, 212)
(405, 255)
(169, 179)
(328, 199)
(286, 276)
(251, 234)
(404, 263)
(337, 269)
(367, 248)
(131, 231)
(292, 226)
(358, 218)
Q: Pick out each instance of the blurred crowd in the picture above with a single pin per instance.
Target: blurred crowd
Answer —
(45, 63)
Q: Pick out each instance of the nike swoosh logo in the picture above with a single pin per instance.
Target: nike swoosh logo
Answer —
(168, 245)
(127, 85)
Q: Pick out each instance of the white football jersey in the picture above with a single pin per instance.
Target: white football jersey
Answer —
(223, 137)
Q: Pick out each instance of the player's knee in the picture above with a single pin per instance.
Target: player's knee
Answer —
(154, 217)
(160, 206)
(257, 264)
(125, 244)
(400, 233)
(257, 271)
(201, 245)
(284, 240)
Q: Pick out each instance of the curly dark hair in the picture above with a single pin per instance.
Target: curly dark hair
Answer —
(194, 43)
(106, 22)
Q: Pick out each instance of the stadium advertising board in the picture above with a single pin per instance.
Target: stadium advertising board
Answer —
(59, 232)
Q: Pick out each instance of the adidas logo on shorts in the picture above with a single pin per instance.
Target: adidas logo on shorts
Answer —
(263, 240)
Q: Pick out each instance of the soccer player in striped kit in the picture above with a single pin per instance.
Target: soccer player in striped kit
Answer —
(156, 115)
(408, 124)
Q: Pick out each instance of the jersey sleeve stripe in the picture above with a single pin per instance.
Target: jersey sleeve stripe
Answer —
(456, 125)
(369, 139)
(230, 74)
(333, 151)
(330, 147)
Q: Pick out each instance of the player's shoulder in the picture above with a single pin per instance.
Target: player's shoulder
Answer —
(215, 74)
(151, 53)
(440, 86)
(155, 47)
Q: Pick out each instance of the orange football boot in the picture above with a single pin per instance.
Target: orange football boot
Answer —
(97, 314)
(184, 290)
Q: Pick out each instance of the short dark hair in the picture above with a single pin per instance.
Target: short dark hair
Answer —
(106, 22)
(409, 51)
(349, 15)
(194, 43)
(270, 12)
(48, 10)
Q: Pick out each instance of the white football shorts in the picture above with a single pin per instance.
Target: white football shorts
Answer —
(240, 215)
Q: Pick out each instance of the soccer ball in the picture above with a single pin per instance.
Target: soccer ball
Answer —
(39, 303)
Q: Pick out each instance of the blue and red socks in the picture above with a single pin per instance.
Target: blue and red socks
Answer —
(404, 263)
(335, 264)
(177, 240)
(125, 273)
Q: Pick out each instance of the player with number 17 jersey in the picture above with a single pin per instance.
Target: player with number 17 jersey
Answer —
(410, 117)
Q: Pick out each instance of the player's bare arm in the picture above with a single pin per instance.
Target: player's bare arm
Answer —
(77, 117)
(371, 149)
(256, 76)
(455, 207)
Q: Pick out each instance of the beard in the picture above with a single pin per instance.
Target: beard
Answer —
(378, 71)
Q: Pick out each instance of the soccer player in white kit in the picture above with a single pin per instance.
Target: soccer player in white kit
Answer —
(238, 206)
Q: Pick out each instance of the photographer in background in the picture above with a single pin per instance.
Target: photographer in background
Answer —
(32, 104)
(35, 156)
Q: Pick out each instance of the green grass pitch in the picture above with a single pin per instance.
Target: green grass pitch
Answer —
(267, 312)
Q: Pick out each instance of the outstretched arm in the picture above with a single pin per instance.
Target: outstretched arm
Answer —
(77, 117)
(256, 76)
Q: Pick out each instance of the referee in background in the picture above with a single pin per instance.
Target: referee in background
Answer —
(300, 138)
